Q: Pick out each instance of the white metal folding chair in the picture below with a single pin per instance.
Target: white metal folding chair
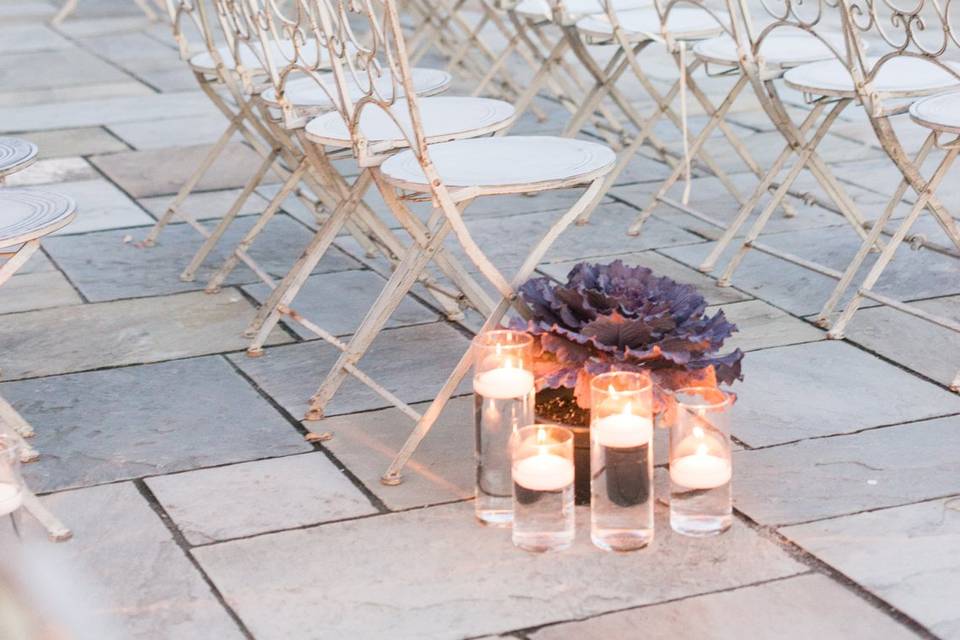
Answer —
(830, 89)
(26, 216)
(302, 87)
(916, 61)
(451, 175)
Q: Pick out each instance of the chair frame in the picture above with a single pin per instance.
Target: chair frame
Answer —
(449, 204)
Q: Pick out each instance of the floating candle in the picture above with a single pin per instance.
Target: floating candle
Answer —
(701, 470)
(623, 430)
(11, 497)
(503, 382)
(543, 472)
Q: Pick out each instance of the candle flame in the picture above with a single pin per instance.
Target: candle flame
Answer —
(702, 449)
(698, 432)
(626, 409)
(508, 363)
(611, 390)
(499, 348)
(541, 436)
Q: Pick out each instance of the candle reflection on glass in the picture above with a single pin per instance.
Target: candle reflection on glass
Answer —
(700, 462)
(621, 461)
(503, 388)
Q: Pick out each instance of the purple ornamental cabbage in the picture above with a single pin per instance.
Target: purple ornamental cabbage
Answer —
(615, 317)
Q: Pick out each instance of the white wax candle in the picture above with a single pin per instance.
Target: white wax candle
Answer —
(543, 472)
(11, 497)
(700, 471)
(503, 383)
(623, 430)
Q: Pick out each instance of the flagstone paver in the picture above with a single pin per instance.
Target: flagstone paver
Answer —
(441, 470)
(257, 497)
(761, 326)
(439, 575)
(412, 362)
(779, 609)
(204, 205)
(790, 393)
(100, 206)
(179, 132)
(91, 336)
(355, 292)
(909, 556)
(114, 264)
(919, 345)
(29, 291)
(103, 426)
(913, 275)
(139, 383)
(128, 580)
(154, 172)
(82, 141)
(834, 476)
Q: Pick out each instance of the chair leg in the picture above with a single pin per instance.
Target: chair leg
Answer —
(803, 157)
(283, 295)
(762, 187)
(891, 247)
(879, 225)
(218, 278)
(189, 273)
(173, 208)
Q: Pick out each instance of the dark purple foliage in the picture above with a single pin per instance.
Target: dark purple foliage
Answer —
(613, 316)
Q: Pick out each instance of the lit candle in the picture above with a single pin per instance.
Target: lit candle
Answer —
(623, 430)
(544, 472)
(11, 497)
(702, 470)
(503, 382)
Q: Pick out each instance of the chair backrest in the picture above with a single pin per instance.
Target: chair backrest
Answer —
(359, 62)
(189, 18)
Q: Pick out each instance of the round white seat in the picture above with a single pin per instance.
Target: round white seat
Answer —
(784, 49)
(444, 118)
(16, 154)
(575, 9)
(684, 23)
(28, 214)
(308, 96)
(900, 77)
(511, 164)
(281, 53)
(940, 112)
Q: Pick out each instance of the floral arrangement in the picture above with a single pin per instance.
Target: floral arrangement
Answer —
(617, 317)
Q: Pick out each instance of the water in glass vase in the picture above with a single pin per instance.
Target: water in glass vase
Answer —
(700, 494)
(496, 420)
(543, 518)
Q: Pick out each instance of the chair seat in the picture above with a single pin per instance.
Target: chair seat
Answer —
(940, 112)
(444, 118)
(15, 154)
(683, 23)
(902, 77)
(308, 96)
(779, 49)
(511, 164)
(575, 9)
(281, 53)
(28, 214)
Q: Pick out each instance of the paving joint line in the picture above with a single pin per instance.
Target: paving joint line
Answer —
(181, 542)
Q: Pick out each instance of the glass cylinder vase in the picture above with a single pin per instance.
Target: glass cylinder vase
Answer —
(700, 462)
(543, 473)
(621, 461)
(503, 390)
(11, 484)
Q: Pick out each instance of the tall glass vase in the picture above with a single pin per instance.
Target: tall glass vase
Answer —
(503, 389)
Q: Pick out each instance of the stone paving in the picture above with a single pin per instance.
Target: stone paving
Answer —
(200, 511)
